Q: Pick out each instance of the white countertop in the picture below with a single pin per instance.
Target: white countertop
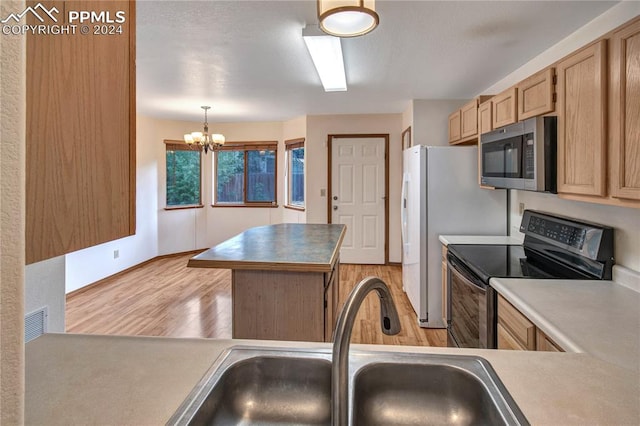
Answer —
(601, 318)
(110, 380)
(479, 239)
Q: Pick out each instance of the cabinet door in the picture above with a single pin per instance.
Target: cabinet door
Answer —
(469, 119)
(625, 113)
(505, 108)
(485, 117)
(80, 152)
(507, 341)
(454, 127)
(517, 325)
(581, 121)
(535, 94)
(544, 343)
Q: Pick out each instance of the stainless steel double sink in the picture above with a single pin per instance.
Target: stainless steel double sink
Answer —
(260, 386)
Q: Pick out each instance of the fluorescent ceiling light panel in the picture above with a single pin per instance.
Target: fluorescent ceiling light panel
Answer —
(326, 53)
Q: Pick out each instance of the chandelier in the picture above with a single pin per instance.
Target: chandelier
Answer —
(209, 142)
(347, 18)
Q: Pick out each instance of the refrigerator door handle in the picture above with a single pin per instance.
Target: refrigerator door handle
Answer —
(403, 209)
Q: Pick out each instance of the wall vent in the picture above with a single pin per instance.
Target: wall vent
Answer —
(35, 323)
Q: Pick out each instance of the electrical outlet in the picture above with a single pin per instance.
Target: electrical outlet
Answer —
(521, 209)
(116, 254)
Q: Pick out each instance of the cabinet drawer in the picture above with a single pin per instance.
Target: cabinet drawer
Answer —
(522, 330)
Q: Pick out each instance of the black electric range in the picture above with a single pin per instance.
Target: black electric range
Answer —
(554, 247)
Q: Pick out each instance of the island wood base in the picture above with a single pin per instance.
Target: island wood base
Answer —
(285, 305)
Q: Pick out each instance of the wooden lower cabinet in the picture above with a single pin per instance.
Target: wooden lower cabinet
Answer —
(285, 305)
(544, 343)
(516, 332)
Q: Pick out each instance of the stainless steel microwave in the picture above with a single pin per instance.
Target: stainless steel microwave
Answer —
(521, 156)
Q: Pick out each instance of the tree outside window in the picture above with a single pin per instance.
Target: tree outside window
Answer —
(295, 173)
(184, 173)
(245, 174)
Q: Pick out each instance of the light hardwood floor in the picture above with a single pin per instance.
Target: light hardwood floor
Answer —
(165, 298)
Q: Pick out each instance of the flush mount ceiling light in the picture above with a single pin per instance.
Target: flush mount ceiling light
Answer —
(326, 53)
(203, 139)
(347, 18)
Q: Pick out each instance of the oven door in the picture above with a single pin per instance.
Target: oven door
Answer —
(470, 315)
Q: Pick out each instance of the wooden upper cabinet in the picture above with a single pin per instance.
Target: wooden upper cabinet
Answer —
(485, 117)
(505, 108)
(469, 119)
(80, 135)
(463, 123)
(581, 110)
(454, 127)
(625, 112)
(535, 94)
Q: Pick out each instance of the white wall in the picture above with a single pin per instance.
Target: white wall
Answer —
(431, 120)
(44, 286)
(293, 129)
(625, 220)
(92, 264)
(318, 129)
(407, 119)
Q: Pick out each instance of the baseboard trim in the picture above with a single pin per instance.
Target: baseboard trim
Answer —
(124, 271)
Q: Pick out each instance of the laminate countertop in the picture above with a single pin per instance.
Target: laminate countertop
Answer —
(601, 318)
(116, 380)
(282, 247)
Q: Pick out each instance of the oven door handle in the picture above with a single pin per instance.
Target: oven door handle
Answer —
(466, 275)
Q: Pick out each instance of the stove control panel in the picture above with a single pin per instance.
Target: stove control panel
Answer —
(586, 239)
(572, 236)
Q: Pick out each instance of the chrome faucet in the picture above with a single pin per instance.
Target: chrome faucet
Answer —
(390, 325)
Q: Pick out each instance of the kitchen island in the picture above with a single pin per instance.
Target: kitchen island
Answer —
(285, 280)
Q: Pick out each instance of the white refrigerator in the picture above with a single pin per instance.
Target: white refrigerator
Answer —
(441, 196)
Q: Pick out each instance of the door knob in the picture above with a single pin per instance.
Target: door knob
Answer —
(335, 207)
(335, 197)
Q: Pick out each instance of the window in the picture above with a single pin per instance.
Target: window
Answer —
(295, 173)
(184, 173)
(245, 174)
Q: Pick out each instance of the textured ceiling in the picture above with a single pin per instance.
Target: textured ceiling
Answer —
(248, 60)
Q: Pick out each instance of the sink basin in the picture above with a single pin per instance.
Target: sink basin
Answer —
(251, 386)
(446, 390)
(262, 387)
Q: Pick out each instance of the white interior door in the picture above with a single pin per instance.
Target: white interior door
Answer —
(358, 197)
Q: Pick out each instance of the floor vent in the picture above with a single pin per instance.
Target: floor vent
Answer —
(35, 324)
